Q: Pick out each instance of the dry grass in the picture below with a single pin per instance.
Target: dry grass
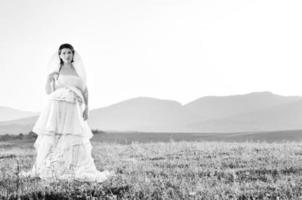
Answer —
(168, 170)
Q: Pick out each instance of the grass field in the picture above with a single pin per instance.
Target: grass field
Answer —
(167, 170)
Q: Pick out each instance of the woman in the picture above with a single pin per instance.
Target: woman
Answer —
(63, 143)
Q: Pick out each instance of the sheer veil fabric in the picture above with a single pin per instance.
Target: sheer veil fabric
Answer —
(54, 65)
(63, 144)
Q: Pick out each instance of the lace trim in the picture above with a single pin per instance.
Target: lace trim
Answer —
(55, 165)
(66, 94)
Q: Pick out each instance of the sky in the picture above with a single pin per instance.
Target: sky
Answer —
(167, 49)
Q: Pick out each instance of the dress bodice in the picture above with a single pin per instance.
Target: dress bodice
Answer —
(70, 80)
(68, 88)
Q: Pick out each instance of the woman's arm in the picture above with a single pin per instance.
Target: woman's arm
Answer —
(50, 83)
(85, 95)
(48, 86)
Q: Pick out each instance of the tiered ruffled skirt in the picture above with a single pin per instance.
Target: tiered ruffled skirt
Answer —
(63, 144)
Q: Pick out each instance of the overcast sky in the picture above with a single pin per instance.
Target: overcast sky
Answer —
(167, 49)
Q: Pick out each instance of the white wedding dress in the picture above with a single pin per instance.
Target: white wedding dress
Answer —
(63, 144)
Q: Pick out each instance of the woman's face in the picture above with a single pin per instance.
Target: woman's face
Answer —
(66, 55)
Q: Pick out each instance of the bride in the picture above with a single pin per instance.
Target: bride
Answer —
(63, 144)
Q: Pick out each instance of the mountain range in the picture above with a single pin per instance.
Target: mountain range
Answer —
(255, 111)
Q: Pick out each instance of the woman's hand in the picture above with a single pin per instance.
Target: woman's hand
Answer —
(53, 76)
(50, 87)
(85, 113)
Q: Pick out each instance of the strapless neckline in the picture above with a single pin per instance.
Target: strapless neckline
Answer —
(69, 75)
(71, 80)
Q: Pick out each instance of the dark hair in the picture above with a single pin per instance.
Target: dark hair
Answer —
(63, 46)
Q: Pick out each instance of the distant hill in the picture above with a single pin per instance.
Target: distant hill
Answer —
(215, 107)
(286, 116)
(142, 113)
(257, 111)
(23, 125)
(7, 113)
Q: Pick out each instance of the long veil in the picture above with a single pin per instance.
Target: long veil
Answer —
(54, 65)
